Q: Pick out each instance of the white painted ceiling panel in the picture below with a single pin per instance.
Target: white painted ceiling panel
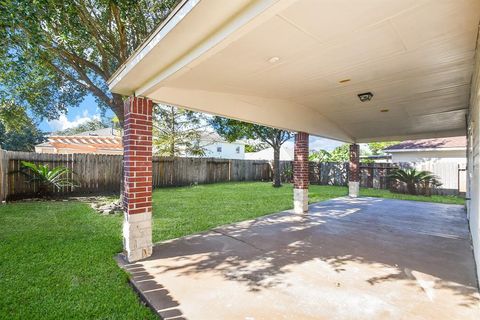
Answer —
(415, 56)
(435, 20)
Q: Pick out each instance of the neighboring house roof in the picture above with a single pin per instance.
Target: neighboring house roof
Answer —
(97, 141)
(286, 154)
(211, 137)
(214, 137)
(437, 144)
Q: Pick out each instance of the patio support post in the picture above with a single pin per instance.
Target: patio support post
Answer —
(354, 171)
(137, 163)
(300, 173)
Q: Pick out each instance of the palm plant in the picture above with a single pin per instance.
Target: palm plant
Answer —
(46, 178)
(415, 180)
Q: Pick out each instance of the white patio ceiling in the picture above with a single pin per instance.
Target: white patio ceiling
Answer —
(284, 63)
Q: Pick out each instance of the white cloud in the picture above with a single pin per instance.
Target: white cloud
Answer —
(63, 123)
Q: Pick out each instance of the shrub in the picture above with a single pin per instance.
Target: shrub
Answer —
(46, 178)
(414, 181)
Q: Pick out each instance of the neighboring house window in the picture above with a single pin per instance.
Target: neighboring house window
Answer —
(238, 149)
(219, 149)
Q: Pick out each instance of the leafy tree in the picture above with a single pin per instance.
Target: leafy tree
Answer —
(255, 147)
(177, 131)
(90, 125)
(377, 147)
(53, 53)
(233, 130)
(320, 156)
(339, 154)
(18, 132)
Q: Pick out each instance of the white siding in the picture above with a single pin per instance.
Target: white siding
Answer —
(474, 161)
(450, 156)
(444, 164)
(227, 150)
(448, 172)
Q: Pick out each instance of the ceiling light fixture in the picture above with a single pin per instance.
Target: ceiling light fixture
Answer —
(274, 59)
(366, 96)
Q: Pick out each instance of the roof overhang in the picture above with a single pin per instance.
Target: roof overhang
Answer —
(425, 150)
(299, 65)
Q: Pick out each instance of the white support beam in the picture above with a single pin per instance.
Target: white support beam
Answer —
(269, 112)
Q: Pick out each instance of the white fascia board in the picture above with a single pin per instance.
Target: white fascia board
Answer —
(182, 9)
(415, 136)
(217, 40)
(281, 114)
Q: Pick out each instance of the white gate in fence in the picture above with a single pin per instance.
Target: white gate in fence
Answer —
(453, 175)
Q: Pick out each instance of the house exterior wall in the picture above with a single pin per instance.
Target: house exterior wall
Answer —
(45, 150)
(72, 151)
(458, 156)
(228, 150)
(473, 192)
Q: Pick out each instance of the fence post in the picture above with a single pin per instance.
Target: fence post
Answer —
(3, 175)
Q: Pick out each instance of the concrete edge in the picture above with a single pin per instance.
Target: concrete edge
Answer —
(122, 263)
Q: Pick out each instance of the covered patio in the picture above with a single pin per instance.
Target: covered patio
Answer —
(364, 258)
(356, 72)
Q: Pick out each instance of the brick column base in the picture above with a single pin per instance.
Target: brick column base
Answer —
(137, 162)
(300, 173)
(354, 171)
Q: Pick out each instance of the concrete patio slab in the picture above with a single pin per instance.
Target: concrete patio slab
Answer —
(364, 258)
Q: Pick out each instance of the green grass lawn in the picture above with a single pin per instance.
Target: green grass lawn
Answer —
(387, 194)
(56, 258)
(183, 211)
(56, 262)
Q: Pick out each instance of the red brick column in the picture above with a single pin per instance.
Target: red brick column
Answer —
(300, 173)
(137, 163)
(354, 171)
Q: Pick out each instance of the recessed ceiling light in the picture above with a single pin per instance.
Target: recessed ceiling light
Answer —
(384, 110)
(274, 59)
(344, 80)
(366, 96)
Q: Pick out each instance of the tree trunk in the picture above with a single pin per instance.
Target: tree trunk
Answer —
(172, 122)
(276, 167)
(411, 188)
(118, 108)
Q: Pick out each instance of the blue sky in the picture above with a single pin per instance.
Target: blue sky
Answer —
(88, 110)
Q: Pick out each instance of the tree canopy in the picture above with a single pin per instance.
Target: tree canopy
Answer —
(339, 154)
(233, 130)
(377, 147)
(18, 132)
(53, 53)
(177, 131)
(91, 125)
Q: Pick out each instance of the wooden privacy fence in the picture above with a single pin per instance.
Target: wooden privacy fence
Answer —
(187, 171)
(100, 174)
(333, 173)
(90, 173)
